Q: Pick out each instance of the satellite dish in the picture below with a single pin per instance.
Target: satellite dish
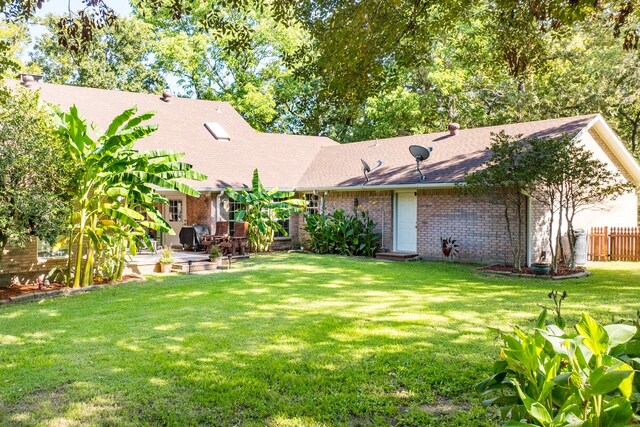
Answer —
(365, 170)
(421, 154)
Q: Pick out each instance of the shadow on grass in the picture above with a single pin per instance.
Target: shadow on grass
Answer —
(283, 340)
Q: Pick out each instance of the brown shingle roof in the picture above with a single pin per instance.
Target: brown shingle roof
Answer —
(281, 159)
(290, 161)
(452, 156)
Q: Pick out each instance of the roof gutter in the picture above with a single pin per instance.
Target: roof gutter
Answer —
(222, 189)
(345, 188)
(381, 187)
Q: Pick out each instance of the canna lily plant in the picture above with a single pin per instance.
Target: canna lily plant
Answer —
(116, 192)
(554, 378)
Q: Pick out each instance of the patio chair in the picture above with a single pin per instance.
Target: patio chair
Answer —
(240, 237)
(221, 233)
(239, 241)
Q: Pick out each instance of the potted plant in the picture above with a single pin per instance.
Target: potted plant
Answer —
(166, 261)
(216, 254)
(541, 268)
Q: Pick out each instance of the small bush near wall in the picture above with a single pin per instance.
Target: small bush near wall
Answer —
(342, 234)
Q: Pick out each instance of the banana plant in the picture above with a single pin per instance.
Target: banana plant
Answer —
(554, 378)
(116, 192)
(264, 210)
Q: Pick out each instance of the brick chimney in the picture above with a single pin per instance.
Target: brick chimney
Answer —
(166, 96)
(453, 128)
(29, 80)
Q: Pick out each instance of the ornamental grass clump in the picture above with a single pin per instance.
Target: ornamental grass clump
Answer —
(554, 377)
(166, 256)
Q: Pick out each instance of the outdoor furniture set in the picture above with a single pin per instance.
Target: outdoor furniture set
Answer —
(228, 244)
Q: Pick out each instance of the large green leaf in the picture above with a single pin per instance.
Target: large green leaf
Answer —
(595, 336)
(139, 119)
(626, 386)
(616, 412)
(603, 381)
(535, 408)
(120, 120)
(619, 333)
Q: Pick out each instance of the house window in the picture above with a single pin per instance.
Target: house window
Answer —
(175, 210)
(45, 250)
(284, 223)
(313, 203)
(233, 208)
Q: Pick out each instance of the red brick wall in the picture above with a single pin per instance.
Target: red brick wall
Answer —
(23, 265)
(478, 227)
(201, 210)
(378, 204)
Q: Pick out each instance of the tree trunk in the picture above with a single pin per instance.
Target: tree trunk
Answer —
(554, 261)
(87, 279)
(67, 278)
(522, 201)
(517, 266)
(559, 242)
(3, 244)
(78, 271)
(571, 234)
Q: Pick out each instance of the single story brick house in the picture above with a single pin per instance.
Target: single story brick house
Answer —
(413, 215)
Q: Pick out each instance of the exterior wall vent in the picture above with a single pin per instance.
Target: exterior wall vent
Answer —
(217, 131)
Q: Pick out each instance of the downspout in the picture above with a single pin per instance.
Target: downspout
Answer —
(218, 204)
(529, 232)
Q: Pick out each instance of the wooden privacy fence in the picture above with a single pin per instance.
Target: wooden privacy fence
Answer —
(614, 244)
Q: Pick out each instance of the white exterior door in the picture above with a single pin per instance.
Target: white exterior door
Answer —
(406, 237)
(176, 215)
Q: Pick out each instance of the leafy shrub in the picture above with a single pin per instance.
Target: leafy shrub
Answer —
(167, 255)
(215, 252)
(342, 234)
(551, 377)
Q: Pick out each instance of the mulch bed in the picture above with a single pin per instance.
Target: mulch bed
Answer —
(563, 270)
(18, 290)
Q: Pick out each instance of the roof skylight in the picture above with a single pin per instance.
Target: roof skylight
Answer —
(217, 131)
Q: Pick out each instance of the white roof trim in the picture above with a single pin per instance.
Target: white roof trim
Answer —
(616, 145)
(382, 187)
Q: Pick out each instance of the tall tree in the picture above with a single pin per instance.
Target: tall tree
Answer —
(209, 65)
(118, 57)
(503, 180)
(14, 40)
(569, 180)
(35, 174)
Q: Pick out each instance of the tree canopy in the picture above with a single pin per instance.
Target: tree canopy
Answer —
(367, 69)
(117, 57)
(35, 175)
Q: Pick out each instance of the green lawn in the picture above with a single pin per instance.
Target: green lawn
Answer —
(281, 340)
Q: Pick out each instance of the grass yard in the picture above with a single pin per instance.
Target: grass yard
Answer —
(281, 340)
